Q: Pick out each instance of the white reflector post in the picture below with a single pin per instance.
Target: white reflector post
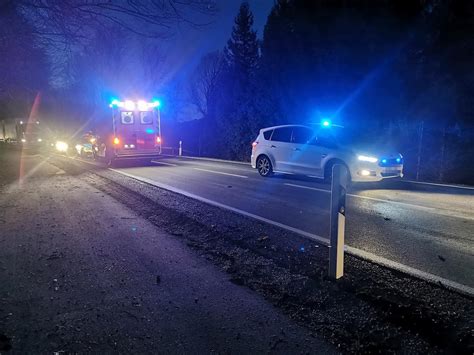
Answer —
(337, 221)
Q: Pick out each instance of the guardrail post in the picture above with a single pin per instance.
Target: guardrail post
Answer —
(337, 221)
(180, 148)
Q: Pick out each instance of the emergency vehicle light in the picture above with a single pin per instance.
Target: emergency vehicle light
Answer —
(326, 122)
(131, 105)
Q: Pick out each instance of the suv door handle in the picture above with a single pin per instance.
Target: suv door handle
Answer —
(324, 155)
(297, 149)
(273, 146)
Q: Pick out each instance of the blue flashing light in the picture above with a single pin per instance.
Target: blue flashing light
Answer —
(156, 103)
(384, 161)
(114, 102)
(398, 160)
(150, 130)
(326, 123)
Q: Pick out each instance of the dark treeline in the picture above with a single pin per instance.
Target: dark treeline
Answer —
(389, 71)
(395, 72)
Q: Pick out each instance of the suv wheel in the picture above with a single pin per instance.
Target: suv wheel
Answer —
(264, 166)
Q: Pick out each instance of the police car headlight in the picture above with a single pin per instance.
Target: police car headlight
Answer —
(367, 158)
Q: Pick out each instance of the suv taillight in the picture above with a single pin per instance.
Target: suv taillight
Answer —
(254, 144)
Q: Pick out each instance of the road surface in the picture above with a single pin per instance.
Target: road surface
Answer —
(423, 226)
(71, 282)
(93, 260)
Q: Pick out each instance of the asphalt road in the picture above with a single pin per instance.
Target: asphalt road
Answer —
(423, 226)
(71, 282)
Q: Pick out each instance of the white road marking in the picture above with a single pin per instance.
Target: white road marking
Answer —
(162, 162)
(438, 184)
(324, 241)
(307, 187)
(443, 212)
(222, 173)
(209, 159)
(395, 202)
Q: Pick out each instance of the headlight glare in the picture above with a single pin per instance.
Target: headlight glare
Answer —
(367, 158)
(61, 146)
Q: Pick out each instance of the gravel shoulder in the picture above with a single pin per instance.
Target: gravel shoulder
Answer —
(372, 310)
(82, 272)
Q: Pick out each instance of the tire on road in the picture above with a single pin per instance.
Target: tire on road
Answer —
(264, 166)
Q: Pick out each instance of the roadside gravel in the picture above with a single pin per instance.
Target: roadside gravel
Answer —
(372, 310)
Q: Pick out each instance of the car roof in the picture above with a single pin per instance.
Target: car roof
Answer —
(283, 126)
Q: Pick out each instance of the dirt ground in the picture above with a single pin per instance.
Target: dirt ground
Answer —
(81, 272)
(101, 260)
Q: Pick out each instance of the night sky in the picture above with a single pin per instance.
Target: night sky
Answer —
(185, 49)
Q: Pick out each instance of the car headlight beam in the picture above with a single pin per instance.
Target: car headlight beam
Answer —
(367, 158)
(62, 146)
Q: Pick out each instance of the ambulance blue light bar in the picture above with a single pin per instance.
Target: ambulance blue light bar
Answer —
(132, 105)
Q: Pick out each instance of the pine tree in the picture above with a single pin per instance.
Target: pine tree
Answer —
(242, 50)
(236, 108)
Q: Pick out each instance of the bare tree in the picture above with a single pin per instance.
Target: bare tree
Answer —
(204, 81)
(24, 70)
(64, 20)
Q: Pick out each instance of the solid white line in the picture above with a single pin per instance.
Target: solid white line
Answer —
(363, 197)
(410, 270)
(222, 173)
(161, 162)
(218, 204)
(439, 211)
(438, 184)
(307, 187)
(350, 250)
(208, 159)
(324, 241)
(390, 201)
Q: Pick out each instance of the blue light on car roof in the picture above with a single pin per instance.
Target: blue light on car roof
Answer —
(149, 130)
(384, 161)
(326, 123)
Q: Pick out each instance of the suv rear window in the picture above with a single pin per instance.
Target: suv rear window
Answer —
(267, 134)
(282, 134)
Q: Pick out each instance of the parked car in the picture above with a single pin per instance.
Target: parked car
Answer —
(304, 150)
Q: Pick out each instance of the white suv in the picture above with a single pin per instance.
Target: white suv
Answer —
(302, 150)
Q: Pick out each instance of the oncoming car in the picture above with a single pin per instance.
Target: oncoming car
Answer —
(303, 150)
(86, 146)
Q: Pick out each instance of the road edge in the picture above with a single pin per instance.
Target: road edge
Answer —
(358, 253)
